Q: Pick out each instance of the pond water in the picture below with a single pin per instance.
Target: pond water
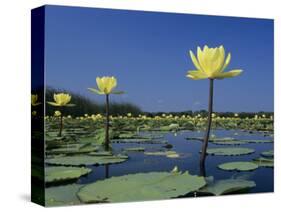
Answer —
(189, 160)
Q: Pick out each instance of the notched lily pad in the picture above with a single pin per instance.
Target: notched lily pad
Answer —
(62, 195)
(169, 154)
(229, 151)
(141, 186)
(264, 162)
(62, 173)
(134, 149)
(238, 166)
(84, 160)
(268, 153)
(228, 186)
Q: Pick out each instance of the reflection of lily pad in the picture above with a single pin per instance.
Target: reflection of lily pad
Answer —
(134, 149)
(169, 154)
(82, 160)
(62, 173)
(140, 187)
(62, 195)
(229, 151)
(264, 162)
(221, 187)
(238, 166)
(268, 153)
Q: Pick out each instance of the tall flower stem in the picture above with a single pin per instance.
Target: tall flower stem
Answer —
(206, 138)
(107, 123)
(61, 124)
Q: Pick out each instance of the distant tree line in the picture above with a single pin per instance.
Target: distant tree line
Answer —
(84, 105)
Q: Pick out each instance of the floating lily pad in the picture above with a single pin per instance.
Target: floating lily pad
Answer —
(62, 195)
(62, 173)
(256, 141)
(229, 151)
(169, 154)
(228, 186)
(102, 153)
(232, 142)
(238, 166)
(83, 160)
(264, 162)
(74, 149)
(135, 149)
(212, 139)
(268, 153)
(140, 187)
(139, 141)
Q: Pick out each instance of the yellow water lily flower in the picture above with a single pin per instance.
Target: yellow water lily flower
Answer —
(106, 86)
(34, 99)
(61, 99)
(210, 64)
(57, 113)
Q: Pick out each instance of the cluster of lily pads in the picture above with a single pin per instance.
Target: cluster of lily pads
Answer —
(81, 145)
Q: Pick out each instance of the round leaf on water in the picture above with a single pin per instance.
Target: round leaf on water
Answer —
(221, 187)
(169, 154)
(62, 173)
(268, 153)
(140, 187)
(264, 162)
(62, 195)
(238, 166)
(134, 149)
(229, 151)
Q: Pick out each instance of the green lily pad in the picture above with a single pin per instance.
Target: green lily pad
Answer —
(232, 142)
(264, 162)
(140, 187)
(238, 166)
(229, 151)
(84, 160)
(102, 153)
(169, 154)
(139, 141)
(221, 187)
(223, 139)
(62, 195)
(135, 149)
(256, 141)
(268, 153)
(62, 173)
(74, 149)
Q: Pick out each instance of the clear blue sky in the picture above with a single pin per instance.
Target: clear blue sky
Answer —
(147, 52)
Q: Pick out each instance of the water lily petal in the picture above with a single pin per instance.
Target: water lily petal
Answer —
(229, 74)
(196, 75)
(227, 61)
(194, 60)
(53, 104)
(96, 91)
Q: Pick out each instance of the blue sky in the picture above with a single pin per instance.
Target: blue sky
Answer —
(147, 53)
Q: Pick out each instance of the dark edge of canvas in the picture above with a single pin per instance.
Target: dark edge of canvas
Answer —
(37, 120)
